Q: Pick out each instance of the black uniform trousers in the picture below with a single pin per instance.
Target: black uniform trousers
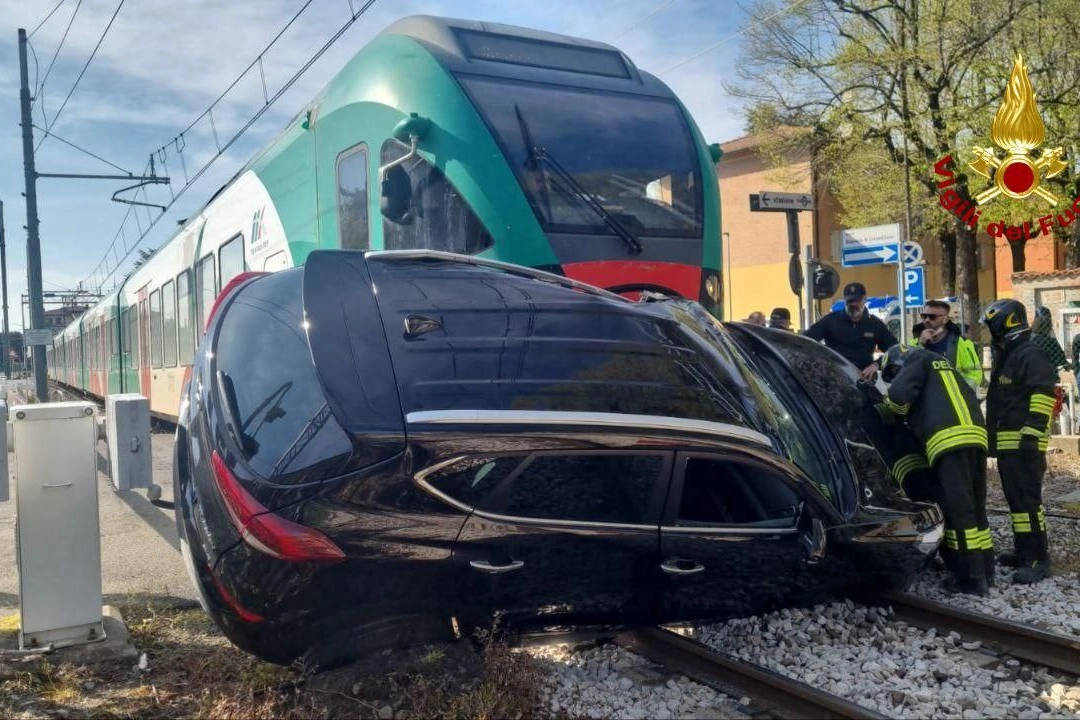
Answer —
(968, 549)
(1021, 479)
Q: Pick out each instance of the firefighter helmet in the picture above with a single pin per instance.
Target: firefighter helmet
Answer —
(893, 361)
(1005, 318)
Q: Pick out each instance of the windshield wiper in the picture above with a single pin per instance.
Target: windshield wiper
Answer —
(588, 199)
(537, 154)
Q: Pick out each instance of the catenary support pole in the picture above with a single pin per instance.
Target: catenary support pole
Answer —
(6, 345)
(33, 243)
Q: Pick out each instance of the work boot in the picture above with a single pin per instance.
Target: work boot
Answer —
(1010, 559)
(970, 576)
(1037, 571)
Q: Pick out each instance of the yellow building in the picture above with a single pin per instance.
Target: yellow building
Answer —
(755, 253)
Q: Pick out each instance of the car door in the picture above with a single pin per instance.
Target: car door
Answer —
(566, 539)
(735, 540)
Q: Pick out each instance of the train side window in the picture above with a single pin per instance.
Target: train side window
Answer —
(352, 181)
(231, 258)
(155, 329)
(168, 325)
(429, 212)
(133, 334)
(205, 292)
(717, 491)
(186, 338)
(125, 329)
(592, 487)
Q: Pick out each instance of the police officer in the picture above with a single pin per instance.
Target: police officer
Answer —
(1019, 404)
(854, 332)
(943, 413)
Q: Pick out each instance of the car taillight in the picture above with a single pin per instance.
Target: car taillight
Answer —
(266, 532)
(229, 287)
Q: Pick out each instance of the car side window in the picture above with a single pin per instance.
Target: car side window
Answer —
(471, 482)
(425, 210)
(717, 491)
(593, 487)
(264, 374)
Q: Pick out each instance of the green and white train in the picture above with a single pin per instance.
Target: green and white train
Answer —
(512, 144)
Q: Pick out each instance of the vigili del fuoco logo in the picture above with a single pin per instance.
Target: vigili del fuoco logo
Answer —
(1019, 132)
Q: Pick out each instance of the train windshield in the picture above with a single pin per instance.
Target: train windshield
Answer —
(573, 147)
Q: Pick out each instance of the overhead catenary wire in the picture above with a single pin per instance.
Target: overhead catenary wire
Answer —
(82, 72)
(101, 271)
(39, 87)
(645, 17)
(38, 26)
(732, 36)
(83, 150)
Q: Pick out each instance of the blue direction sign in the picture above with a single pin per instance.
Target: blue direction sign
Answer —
(914, 287)
(855, 255)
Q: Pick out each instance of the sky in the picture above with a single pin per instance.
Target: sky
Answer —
(163, 63)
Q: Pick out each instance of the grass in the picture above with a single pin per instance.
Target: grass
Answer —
(195, 672)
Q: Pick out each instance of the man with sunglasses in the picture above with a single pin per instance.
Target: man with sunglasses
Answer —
(941, 335)
(854, 332)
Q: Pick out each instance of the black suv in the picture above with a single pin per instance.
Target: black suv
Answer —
(377, 447)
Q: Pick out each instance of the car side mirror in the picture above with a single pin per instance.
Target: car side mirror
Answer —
(814, 542)
(396, 196)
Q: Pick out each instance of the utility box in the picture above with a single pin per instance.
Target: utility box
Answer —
(127, 432)
(57, 537)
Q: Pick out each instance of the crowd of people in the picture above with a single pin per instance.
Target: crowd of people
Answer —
(942, 437)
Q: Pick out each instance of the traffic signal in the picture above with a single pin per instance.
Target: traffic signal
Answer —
(824, 280)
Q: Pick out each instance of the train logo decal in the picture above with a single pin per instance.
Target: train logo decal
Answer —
(257, 241)
(1017, 129)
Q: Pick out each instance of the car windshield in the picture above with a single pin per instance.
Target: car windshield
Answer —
(631, 154)
(789, 433)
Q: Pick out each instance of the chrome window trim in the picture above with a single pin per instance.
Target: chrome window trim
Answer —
(494, 264)
(616, 420)
(727, 530)
(589, 524)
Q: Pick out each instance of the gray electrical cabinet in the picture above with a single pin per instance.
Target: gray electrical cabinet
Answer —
(127, 432)
(57, 537)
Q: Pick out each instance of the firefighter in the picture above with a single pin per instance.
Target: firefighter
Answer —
(943, 413)
(1019, 405)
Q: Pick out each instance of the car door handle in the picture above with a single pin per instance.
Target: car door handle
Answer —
(679, 566)
(489, 568)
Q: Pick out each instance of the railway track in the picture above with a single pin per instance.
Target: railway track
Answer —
(786, 697)
(1024, 642)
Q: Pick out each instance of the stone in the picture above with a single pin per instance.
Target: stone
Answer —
(386, 712)
(973, 645)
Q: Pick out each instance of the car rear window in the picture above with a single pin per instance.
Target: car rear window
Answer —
(264, 373)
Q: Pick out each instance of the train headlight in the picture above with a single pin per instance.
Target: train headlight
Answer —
(712, 288)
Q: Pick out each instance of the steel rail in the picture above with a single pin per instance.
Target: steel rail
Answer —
(790, 698)
(1042, 647)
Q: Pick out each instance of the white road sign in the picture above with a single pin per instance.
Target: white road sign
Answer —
(786, 201)
(38, 337)
(872, 245)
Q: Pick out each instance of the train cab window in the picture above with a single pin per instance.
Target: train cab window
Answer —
(718, 491)
(205, 292)
(168, 325)
(231, 258)
(426, 211)
(352, 185)
(185, 336)
(283, 426)
(155, 329)
(598, 487)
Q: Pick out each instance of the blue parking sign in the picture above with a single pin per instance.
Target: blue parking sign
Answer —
(914, 286)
